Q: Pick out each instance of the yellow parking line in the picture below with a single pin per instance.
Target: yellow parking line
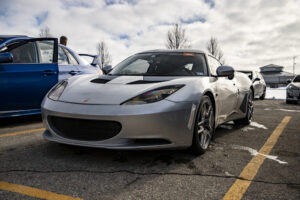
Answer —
(239, 187)
(34, 192)
(21, 132)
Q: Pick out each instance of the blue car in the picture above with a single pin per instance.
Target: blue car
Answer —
(29, 67)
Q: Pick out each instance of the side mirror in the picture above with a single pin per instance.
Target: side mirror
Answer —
(289, 81)
(256, 79)
(107, 69)
(225, 71)
(96, 61)
(6, 57)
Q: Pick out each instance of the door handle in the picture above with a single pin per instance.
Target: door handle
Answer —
(49, 72)
(73, 72)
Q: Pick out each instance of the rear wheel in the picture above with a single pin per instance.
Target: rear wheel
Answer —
(246, 120)
(204, 126)
(262, 97)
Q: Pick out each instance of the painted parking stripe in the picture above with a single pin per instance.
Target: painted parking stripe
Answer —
(239, 187)
(34, 192)
(22, 132)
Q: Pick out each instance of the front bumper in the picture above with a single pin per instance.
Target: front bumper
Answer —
(163, 124)
(293, 95)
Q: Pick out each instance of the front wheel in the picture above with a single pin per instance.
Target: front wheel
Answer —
(247, 120)
(204, 126)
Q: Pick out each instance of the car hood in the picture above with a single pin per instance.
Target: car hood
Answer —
(112, 90)
(296, 84)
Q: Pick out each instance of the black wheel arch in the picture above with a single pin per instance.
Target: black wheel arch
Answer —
(211, 96)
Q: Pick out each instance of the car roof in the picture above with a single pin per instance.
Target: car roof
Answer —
(173, 50)
(11, 36)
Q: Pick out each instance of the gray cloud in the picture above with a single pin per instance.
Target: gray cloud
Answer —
(251, 33)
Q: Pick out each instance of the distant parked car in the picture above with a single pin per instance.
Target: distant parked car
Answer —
(258, 83)
(293, 90)
(29, 67)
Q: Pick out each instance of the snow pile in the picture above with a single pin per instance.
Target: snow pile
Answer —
(276, 93)
(254, 152)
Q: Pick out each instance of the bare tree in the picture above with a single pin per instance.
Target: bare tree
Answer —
(215, 50)
(45, 32)
(176, 38)
(105, 57)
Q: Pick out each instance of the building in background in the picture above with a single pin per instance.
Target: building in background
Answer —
(275, 76)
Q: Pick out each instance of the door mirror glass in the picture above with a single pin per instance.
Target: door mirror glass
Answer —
(6, 57)
(289, 81)
(226, 71)
(107, 69)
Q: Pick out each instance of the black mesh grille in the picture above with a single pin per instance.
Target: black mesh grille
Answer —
(81, 129)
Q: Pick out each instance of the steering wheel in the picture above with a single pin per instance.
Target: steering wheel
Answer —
(189, 72)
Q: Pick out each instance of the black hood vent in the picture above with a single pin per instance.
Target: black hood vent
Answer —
(100, 80)
(144, 82)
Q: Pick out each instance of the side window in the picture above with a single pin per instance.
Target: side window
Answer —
(213, 65)
(62, 57)
(25, 53)
(45, 49)
(72, 60)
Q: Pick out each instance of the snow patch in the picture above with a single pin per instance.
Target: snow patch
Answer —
(254, 152)
(228, 127)
(289, 110)
(247, 128)
(276, 93)
(228, 174)
(257, 125)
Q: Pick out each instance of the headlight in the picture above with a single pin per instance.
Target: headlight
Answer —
(292, 87)
(153, 95)
(55, 92)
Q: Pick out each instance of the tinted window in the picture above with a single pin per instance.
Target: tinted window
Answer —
(297, 79)
(62, 57)
(213, 64)
(163, 64)
(72, 60)
(45, 49)
(25, 53)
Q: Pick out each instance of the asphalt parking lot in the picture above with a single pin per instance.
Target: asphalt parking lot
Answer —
(259, 161)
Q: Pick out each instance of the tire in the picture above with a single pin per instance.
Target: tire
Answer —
(204, 127)
(247, 119)
(289, 101)
(262, 97)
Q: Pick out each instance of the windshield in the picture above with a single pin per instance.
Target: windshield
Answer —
(249, 74)
(297, 79)
(162, 64)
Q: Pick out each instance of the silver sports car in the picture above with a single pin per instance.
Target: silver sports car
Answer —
(293, 90)
(151, 100)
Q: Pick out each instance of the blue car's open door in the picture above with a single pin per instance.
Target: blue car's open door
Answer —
(26, 79)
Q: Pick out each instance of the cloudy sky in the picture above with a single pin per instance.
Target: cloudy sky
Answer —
(251, 33)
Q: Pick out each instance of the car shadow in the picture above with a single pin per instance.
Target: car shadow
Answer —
(20, 121)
